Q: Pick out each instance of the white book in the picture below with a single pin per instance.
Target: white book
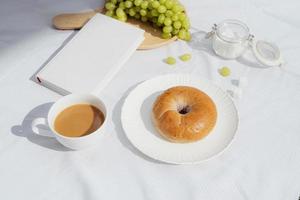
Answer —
(92, 57)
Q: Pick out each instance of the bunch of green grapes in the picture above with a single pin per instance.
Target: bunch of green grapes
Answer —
(169, 15)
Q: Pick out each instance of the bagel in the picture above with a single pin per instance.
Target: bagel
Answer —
(184, 114)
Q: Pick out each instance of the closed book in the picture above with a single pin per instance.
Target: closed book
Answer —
(92, 57)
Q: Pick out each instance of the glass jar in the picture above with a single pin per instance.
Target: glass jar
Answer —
(231, 39)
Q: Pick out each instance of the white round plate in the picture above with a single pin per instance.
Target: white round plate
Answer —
(137, 124)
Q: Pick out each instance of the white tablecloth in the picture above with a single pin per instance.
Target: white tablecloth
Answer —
(263, 161)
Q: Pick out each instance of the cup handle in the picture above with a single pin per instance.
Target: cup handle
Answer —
(40, 127)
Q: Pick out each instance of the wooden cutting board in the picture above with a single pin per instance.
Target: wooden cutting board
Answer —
(73, 21)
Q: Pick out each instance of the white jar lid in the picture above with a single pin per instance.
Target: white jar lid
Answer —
(267, 53)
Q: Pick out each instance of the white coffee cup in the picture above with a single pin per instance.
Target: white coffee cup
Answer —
(75, 143)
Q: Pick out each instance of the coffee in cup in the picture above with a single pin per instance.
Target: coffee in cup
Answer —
(78, 120)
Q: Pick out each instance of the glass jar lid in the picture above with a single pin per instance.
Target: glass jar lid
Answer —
(267, 53)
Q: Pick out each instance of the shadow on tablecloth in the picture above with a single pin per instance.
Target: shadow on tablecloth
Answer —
(25, 129)
(116, 117)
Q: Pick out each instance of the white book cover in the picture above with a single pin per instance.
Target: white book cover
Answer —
(92, 57)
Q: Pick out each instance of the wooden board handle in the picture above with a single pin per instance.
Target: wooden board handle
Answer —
(71, 21)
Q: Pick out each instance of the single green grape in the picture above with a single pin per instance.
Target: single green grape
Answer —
(186, 24)
(166, 35)
(170, 60)
(161, 18)
(150, 7)
(137, 2)
(188, 36)
(168, 21)
(181, 8)
(110, 6)
(131, 12)
(114, 1)
(155, 4)
(128, 4)
(161, 9)
(185, 57)
(224, 71)
(154, 13)
(144, 4)
(182, 16)
(109, 13)
(177, 24)
(175, 31)
(162, 2)
(167, 29)
(176, 8)
(120, 12)
(169, 13)
(122, 5)
(169, 4)
(122, 18)
(175, 17)
(182, 34)
(143, 12)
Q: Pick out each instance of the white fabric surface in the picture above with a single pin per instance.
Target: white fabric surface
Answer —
(263, 162)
